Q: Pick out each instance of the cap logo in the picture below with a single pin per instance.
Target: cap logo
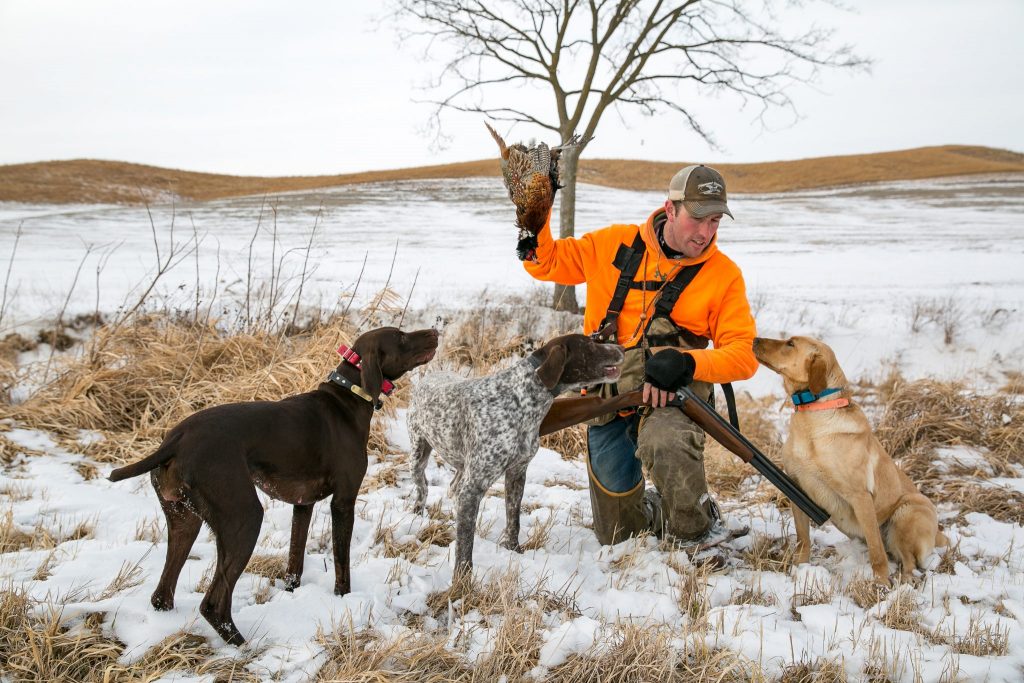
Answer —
(711, 187)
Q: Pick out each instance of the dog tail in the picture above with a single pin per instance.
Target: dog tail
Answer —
(166, 451)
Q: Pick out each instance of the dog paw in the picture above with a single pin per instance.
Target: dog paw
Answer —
(162, 603)
(509, 544)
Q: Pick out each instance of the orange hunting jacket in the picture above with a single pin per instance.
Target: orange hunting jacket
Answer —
(713, 305)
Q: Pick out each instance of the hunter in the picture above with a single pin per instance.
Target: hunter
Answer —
(664, 291)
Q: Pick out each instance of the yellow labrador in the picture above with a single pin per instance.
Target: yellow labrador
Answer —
(833, 455)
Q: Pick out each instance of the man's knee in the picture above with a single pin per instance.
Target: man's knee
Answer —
(672, 451)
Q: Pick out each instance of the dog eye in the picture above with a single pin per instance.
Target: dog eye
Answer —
(790, 343)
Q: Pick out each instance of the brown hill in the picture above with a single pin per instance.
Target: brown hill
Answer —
(92, 181)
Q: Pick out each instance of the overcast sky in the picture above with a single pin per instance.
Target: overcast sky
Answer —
(296, 88)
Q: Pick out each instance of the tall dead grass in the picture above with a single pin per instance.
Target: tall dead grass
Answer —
(926, 414)
(40, 645)
(155, 370)
(923, 416)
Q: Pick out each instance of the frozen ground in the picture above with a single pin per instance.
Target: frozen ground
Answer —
(927, 276)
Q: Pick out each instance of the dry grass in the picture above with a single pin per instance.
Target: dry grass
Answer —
(865, 593)
(364, 657)
(633, 653)
(811, 591)
(148, 375)
(514, 639)
(272, 567)
(726, 473)
(86, 180)
(769, 554)
(903, 611)
(692, 596)
(539, 534)
(980, 640)
(185, 652)
(570, 443)
(437, 532)
(47, 534)
(816, 671)
(129, 576)
(920, 416)
(40, 646)
(999, 502)
(488, 595)
(753, 595)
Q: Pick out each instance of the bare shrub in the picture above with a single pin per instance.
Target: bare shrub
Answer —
(947, 314)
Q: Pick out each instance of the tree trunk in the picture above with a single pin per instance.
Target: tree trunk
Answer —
(565, 295)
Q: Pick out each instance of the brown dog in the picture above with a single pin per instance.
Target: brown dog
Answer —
(300, 449)
(833, 455)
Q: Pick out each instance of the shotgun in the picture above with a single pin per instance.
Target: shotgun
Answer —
(566, 412)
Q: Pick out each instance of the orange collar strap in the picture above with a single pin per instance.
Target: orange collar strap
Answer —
(823, 405)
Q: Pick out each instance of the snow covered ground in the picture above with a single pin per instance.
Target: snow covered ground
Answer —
(882, 270)
(927, 277)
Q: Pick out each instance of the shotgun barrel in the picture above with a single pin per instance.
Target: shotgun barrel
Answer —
(566, 412)
(724, 433)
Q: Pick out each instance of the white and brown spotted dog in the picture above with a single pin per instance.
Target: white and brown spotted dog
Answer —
(486, 426)
(833, 455)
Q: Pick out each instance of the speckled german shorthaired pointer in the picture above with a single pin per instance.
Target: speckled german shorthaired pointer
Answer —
(300, 449)
(489, 425)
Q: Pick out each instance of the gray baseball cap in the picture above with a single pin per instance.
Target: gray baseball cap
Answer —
(702, 190)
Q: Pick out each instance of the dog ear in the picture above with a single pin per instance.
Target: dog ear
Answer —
(550, 371)
(371, 378)
(817, 374)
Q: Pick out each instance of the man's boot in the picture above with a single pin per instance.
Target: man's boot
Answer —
(617, 516)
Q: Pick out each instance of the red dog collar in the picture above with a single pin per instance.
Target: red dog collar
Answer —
(353, 359)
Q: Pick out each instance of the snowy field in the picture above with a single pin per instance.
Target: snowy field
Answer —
(887, 273)
(924, 277)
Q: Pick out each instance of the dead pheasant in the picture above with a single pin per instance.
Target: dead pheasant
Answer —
(531, 177)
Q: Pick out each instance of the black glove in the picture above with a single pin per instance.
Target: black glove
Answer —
(670, 370)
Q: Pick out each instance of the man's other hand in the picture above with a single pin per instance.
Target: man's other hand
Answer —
(669, 370)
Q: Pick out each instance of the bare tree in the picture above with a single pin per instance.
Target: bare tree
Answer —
(595, 55)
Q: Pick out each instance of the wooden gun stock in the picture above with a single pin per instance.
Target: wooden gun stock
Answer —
(566, 412)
